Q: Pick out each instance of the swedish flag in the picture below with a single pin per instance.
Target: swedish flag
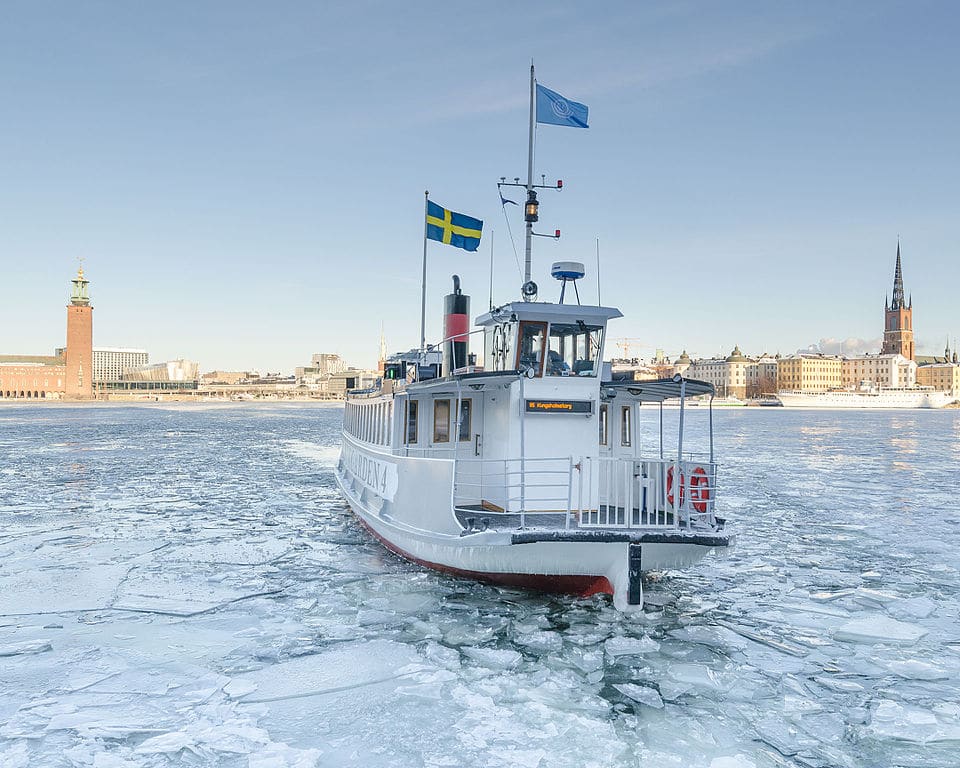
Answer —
(452, 228)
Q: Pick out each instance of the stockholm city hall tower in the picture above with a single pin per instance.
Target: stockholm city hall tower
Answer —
(79, 351)
(898, 319)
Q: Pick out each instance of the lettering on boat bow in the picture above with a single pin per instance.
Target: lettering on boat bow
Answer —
(379, 476)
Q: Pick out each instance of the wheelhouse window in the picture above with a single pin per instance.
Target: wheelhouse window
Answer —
(412, 421)
(530, 351)
(466, 418)
(625, 425)
(574, 349)
(603, 424)
(441, 421)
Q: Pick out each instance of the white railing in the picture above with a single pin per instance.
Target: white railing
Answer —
(645, 493)
(511, 485)
(592, 492)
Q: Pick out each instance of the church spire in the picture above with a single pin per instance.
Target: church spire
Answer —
(898, 301)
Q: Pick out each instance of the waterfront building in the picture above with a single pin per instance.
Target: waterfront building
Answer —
(682, 363)
(898, 319)
(229, 377)
(807, 372)
(941, 376)
(110, 363)
(762, 376)
(69, 372)
(171, 372)
(327, 363)
(32, 376)
(341, 382)
(728, 374)
(885, 370)
(79, 351)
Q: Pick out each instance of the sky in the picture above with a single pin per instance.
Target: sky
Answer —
(244, 181)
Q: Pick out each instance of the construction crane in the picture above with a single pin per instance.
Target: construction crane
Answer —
(626, 343)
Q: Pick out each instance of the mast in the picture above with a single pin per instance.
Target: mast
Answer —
(531, 195)
(423, 285)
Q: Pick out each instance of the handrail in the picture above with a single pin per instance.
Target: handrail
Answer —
(599, 492)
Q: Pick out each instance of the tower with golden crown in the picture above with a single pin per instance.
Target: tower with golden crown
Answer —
(898, 319)
(79, 351)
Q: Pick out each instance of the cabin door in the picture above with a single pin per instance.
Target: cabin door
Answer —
(470, 445)
(606, 432)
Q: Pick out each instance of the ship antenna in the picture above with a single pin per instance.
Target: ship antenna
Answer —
(531, 205)
(599, 304)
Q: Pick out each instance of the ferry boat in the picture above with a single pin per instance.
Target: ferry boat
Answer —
(867, 397)
(529, 472)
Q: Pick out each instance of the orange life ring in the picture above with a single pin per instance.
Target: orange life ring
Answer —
(670, 486)
(699, 483)
(699, 489)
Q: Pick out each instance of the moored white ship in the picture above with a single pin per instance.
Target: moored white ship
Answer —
(895, 397)
(528, 472)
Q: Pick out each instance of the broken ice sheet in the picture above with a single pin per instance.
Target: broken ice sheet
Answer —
(180, 593)
(27, 647)
(641, 693)
(630, 646)
(227, 551)
(906, 722)
(61, 589)
(879, 629)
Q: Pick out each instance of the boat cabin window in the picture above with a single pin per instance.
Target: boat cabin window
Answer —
(625, 425)
(441, 421)
(530, 352)
(466, 416)
(603, 424)
(574, 349)
(412, 408)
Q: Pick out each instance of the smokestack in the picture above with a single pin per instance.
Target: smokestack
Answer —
(456, 327)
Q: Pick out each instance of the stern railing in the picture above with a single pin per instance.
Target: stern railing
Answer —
(592, 492)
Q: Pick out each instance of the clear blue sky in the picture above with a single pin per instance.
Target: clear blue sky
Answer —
(245, 180)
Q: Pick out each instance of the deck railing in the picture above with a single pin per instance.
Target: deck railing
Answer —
(592, 492)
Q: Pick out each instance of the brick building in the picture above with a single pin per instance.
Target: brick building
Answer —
(52, 377)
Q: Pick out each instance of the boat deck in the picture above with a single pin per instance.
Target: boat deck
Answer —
(552, 526)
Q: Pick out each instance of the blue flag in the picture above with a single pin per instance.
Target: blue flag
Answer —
(452, 228)
(552, 108)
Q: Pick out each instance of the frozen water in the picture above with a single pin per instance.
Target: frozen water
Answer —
(642, 694)
(184, 586)
(879, 629)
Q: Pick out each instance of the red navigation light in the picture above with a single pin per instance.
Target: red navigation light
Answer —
(559, 183)
(557, 234)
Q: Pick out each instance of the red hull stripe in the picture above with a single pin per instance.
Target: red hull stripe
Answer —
(582, 586)
(456, 326)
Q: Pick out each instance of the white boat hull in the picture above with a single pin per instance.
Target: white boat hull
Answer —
(881, 399)
(578, 562)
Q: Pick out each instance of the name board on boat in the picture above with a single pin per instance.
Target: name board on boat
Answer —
(379, 476)
(559, 406)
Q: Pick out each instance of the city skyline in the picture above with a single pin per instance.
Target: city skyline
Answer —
(245, 186)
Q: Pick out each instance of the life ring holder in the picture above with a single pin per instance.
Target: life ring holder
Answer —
(699, 483)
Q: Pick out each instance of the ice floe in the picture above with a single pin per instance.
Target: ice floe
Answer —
(879, 629)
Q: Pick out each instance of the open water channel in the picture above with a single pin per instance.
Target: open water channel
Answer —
(183, 585)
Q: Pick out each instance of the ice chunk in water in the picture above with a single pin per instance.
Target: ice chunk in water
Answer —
(641, 694)
(914, 669)
(736, 761)
(25, 648)
(905, 722)
(913, 608)
(352, 665)
(544, 642)
(879, 629)
(494, 658)
(56, 590)
(630, 646)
